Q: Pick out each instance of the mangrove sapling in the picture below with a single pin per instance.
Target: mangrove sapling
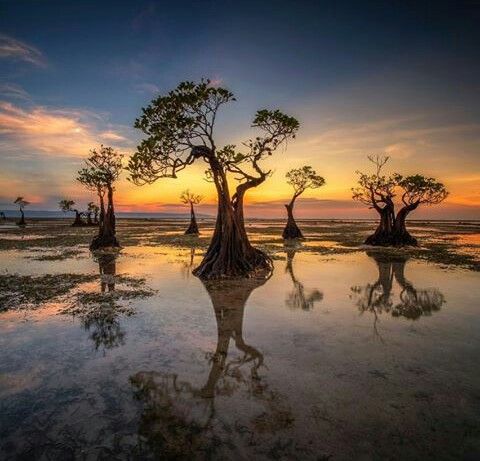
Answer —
(189, 198)
(21, 206)
(300, 179)
(179, 128)
(103, 169)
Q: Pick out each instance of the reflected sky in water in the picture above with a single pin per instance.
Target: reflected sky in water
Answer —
(342, 356)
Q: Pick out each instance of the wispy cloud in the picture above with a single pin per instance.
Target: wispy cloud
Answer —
(13, 91)
(149, 88)
(62, 132)
(11, 48)
(112, 136)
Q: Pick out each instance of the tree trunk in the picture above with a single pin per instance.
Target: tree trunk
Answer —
(400, 234)
(22, 219)
(102, 208)
(383, 235)
(78, 219)
(193, 227)
(106, 237)
(291, 230)
(95, 218)
(230, 253)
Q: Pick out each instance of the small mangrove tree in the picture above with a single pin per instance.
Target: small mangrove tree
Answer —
(300, 179)
(189, 198)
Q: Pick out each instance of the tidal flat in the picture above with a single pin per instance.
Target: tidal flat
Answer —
(345, 352)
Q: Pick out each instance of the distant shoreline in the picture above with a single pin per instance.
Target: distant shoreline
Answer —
(54, 216)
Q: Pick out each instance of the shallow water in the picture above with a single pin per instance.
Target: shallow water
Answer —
(356, 356)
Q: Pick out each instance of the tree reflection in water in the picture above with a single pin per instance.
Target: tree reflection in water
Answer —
(299, 298)
(178, 419)
(188, 266)
(103, 323)
(378, 297)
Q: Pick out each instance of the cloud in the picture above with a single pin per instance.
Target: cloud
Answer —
(61, 132)
(401, 137)
(112, 136)
(216, 81)
(11, 48)
(148, 88)
(13, 91)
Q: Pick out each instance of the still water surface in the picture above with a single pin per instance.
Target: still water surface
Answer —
(347, 357)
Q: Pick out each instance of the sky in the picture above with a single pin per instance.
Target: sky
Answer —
(400, 78)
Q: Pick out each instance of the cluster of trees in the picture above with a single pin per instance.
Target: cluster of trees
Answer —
(178, 130)
(102, 169)
(92, 209)
(378, 191)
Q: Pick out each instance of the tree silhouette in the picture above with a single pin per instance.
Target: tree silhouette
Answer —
(378, 191)
(416, 190)
(2, 216)
(22, 203)
(299, 298)
(93, 180)
(377, 297)
(67, 205)
(103, 169)
(300, 179)
(92, 208)
(189, 198)
(180, 130)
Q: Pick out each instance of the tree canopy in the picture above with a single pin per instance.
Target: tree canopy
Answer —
(417, 189)
(66, 205)
(189, 198)
(103, 167)
(180, 129)
(304, 178)
(21, 202)
(375, 189)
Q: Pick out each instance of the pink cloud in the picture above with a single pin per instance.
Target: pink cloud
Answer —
(63, 132)
(12, 48)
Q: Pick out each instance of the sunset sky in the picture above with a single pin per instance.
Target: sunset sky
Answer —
(401, 78)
